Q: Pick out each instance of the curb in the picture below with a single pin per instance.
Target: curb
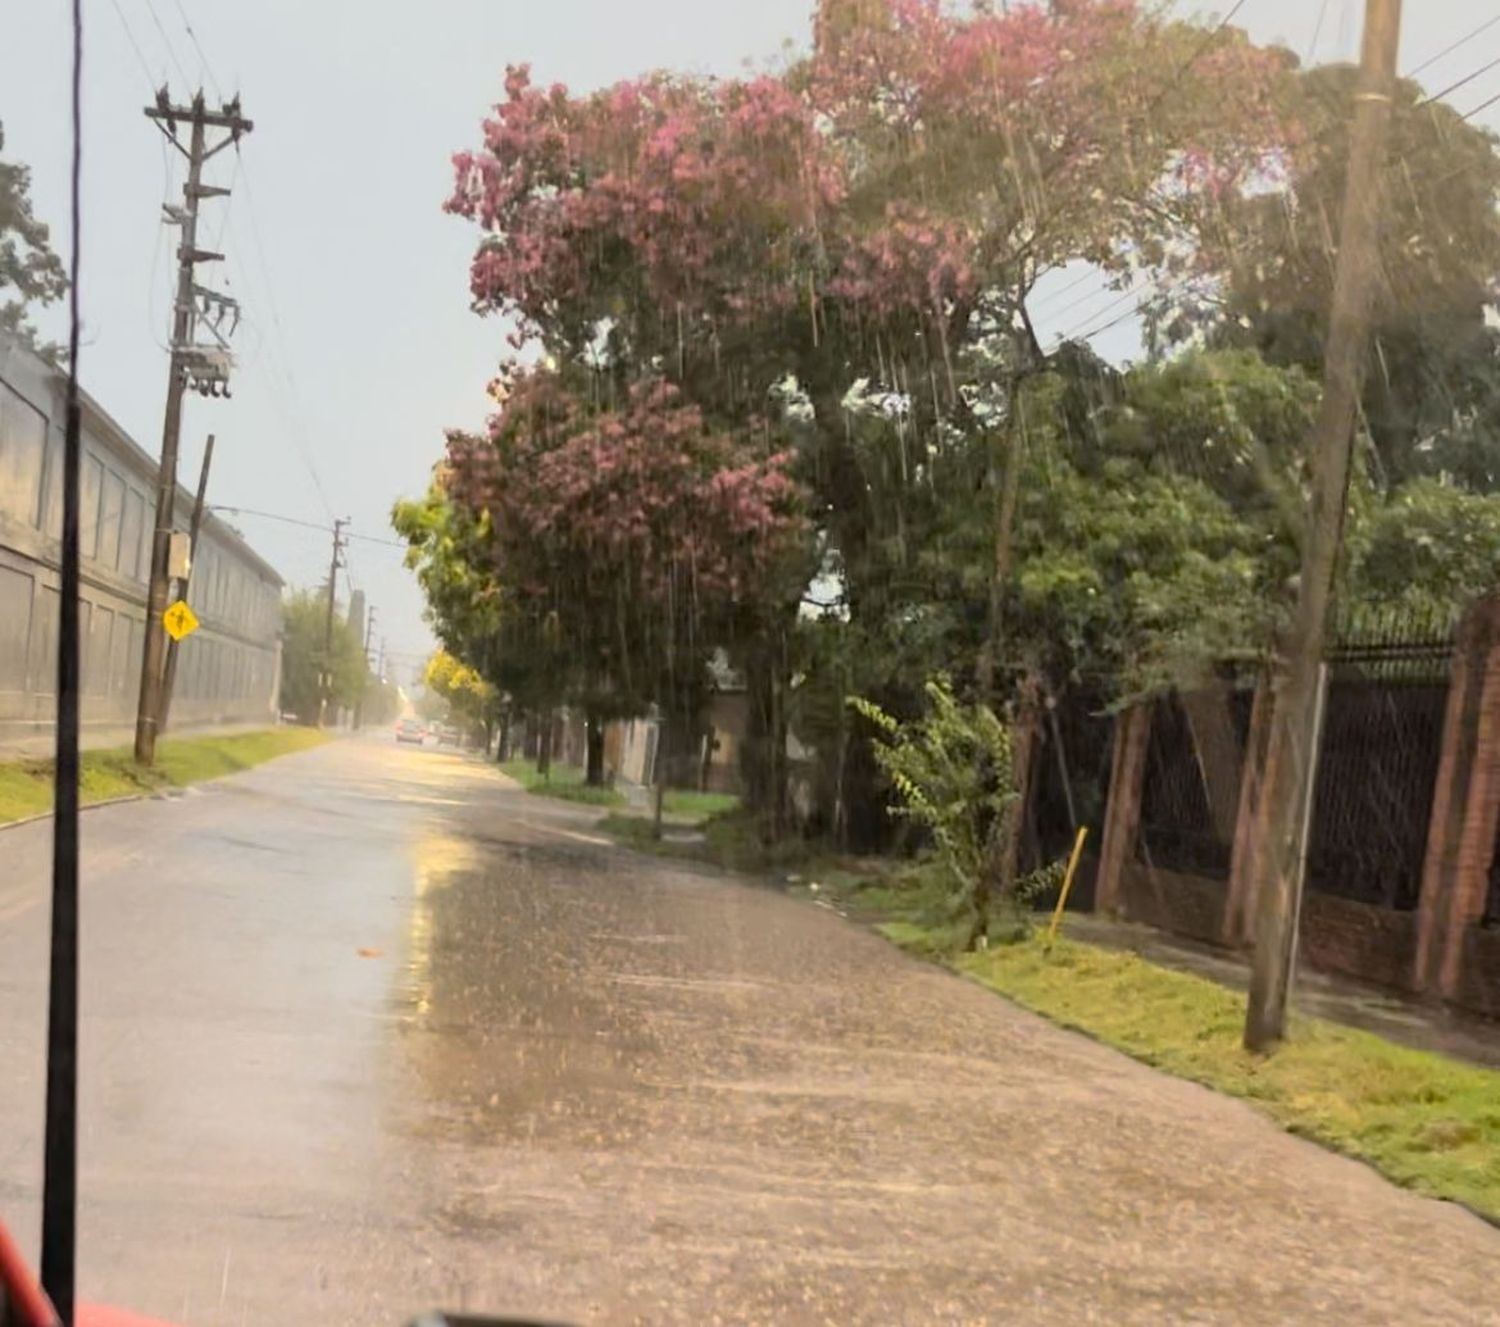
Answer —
(88, 806)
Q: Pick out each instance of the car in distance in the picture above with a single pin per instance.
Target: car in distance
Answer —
(409, 730)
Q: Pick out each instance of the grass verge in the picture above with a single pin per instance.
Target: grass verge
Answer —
(728, 840)
(26, 785)
(1427, 1122)
(565, 782)
(687, 804)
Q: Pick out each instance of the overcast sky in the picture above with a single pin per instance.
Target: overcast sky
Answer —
(358, 348)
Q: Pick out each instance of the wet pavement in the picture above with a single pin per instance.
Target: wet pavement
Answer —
(367, 1030)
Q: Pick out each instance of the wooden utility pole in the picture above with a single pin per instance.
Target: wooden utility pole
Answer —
(1293, 744)
(169, 677)
(205, 368)
(359, 705)
(326, 673)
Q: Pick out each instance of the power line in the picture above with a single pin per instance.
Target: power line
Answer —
(1453, 46)
(1078, 334)
(197, 46)
(167, 42)
(1199, 51)
(309, 525)
(1483, 106)
(1072, 285)
(135, 46)
(291, 407)
(1454, 87)
(278, 341)
(1312, 45)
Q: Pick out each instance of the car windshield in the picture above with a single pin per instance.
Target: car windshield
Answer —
(813, 661)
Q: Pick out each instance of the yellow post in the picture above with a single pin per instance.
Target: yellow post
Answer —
(1067, 886)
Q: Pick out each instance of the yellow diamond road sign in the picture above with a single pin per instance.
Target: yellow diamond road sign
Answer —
(179, 620)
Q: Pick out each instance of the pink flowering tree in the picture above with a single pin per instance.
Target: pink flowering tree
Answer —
(879, 211)
(634, 537)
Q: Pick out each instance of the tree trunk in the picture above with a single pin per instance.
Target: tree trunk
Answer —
(502, 743)
(544, 746)
(1025, 733)
(662, 748)
(1005, 483)
(594, 740)
(764, 774)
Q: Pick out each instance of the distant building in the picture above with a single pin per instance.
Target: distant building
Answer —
(357, 613)
(228, 672)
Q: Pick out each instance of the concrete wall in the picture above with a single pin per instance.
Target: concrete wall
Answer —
(228, 672)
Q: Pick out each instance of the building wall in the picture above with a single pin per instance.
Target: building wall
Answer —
(227, 673)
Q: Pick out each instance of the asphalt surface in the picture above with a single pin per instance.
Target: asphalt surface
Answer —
(367, 1031)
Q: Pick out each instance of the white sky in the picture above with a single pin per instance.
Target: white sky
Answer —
(358, 337)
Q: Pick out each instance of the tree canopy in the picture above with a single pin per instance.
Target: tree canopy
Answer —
(31, 275)
(779, 390)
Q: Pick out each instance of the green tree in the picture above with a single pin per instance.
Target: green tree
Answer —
(1432, 397)
(470, 699)
(30, 273)
(305, 657)
(950, 770)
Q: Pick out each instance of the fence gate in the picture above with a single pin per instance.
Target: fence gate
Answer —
(1378, 761)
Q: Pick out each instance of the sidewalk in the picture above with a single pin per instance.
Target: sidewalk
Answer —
(1338, 999)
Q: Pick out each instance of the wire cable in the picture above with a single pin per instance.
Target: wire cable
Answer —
(167, 42)
(1453, 46)
(197, 46)
(136, 47)
(1483, 106)
(309, 525)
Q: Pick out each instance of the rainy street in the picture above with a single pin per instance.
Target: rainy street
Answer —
(368, 1030)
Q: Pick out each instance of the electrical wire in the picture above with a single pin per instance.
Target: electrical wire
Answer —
(197, 46)
(309, 525)
(1483, 106)
(1199, 51)
(1431, 99)
(277, 340)
(1453, 46)
(1454, 87)
(1312, 45)
(136, 47)
(167, 42)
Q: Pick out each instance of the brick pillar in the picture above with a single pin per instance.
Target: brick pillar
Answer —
(1465, 805)
(1122, 816)
(1238, 904)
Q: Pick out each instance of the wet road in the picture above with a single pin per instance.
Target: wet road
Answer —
(368, 1031)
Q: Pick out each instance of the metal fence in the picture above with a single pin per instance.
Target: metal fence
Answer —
(1070, 777)
(1378, 760)
(1190, 786)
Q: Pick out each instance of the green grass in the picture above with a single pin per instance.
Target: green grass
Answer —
(683, 803)
(1422, 1119)
(1425, 1121)
(26, 785)
(564, 782)
(729, 840)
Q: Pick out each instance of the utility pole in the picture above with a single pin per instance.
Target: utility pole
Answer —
(359, 707)
(169, 676)
(333, 580)
(1292, 752)
(203, 367)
